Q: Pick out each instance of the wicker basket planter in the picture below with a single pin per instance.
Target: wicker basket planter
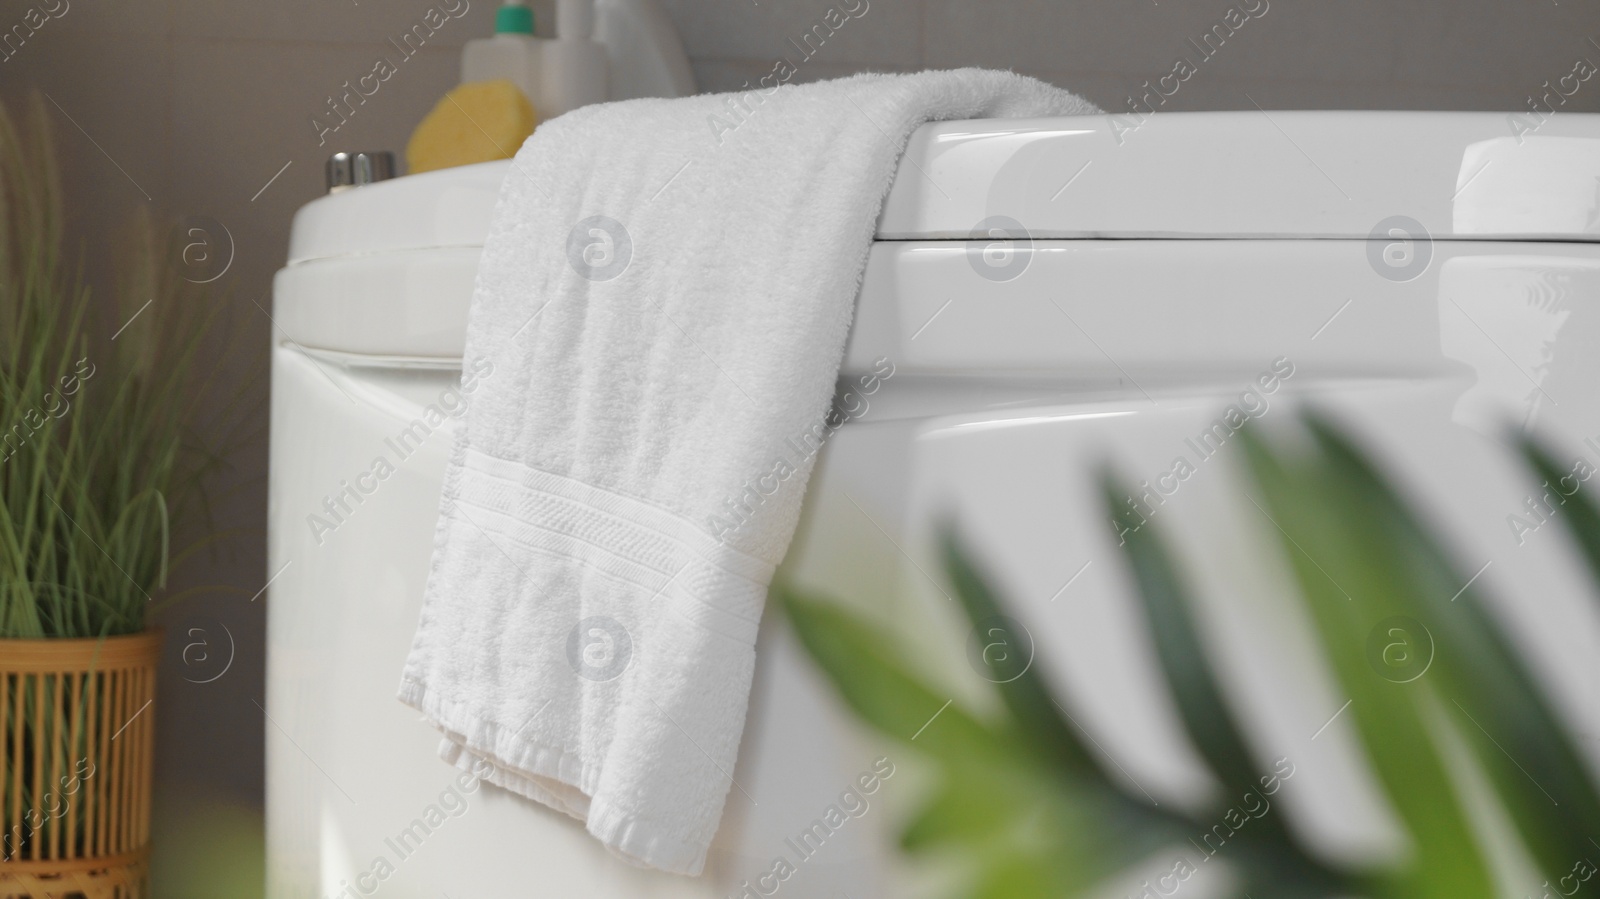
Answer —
(77, 722)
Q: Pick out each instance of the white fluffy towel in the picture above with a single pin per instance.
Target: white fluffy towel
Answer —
(663, 300)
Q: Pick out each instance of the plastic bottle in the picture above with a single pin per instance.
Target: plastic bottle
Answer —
(513, 53)
(574, 65)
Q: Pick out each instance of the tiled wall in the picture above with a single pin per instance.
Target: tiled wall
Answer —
(1290, 54)
(195, 107)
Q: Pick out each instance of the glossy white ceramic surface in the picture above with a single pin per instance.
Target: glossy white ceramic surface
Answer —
(1251, 174)
(1212, 174)
(1022, 365)
(443, 208)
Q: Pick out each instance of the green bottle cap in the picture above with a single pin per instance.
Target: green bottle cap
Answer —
(513, 18)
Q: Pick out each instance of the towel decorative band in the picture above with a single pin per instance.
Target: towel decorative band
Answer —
(655, 550)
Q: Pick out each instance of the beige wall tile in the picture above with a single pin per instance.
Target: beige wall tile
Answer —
(1347, 41)
(109, 99)
(716, 76)
(882, 32)
(332, 21)
(1511, 47)
(148, 18)
(1135, 37)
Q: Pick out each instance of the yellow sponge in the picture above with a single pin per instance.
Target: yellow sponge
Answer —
(476, 122)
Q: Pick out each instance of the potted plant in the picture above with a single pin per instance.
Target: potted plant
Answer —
(94, 468)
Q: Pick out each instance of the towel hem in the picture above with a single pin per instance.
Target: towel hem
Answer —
(524, 766)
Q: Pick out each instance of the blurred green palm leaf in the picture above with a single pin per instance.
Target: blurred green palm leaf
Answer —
(1032, 811)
